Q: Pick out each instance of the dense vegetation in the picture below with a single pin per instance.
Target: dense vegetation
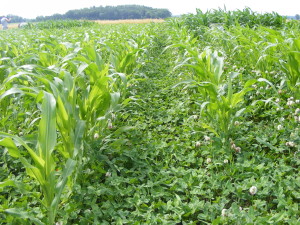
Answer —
(111, 13)
(170, 123)
(59, 24)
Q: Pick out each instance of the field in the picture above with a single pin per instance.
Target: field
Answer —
(190, 121)
(133, 21)
(136, 21)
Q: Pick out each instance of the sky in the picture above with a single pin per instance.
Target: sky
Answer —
(30, 9)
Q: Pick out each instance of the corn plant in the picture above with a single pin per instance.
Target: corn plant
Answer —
(41, 165)
(72, 106)
(219, 104)
(205, 66)
(292, 67)
(223, 107)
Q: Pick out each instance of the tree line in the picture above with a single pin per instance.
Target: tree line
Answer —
(110, 13)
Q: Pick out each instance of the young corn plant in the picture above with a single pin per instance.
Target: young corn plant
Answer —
(77, 103)
(220, 105)
(292, 67)
(40, 161)
(223, 107)
(206, 66)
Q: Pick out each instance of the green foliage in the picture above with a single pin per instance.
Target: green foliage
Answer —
(60, 24)
(120, 12)
(150, 124)
(225, 19)
(292, 67)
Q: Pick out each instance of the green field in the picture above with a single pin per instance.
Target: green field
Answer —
(190, 121)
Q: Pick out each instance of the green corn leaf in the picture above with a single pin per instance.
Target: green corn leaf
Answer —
(11, 92)
(250, 82)
(210, 128)
(79, 133)
(47, 129)
(81, 68)
(11, 147)
(99, 97)
(67, 171)
(33, 171)
(19, 141)
(6, 183)
(63, 117)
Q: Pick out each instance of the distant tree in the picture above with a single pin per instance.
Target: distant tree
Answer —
(297, 17)
(111, 13)
(16, 19)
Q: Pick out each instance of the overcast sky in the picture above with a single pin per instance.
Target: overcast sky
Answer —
(33, 8)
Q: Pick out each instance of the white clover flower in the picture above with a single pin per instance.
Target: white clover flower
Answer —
(279, 127)
(224, 212)
(21, 133)
(109, 125)
(237, 123)
(96, 136)
(226, 161)
(195, 117)
(241, 209)
(290, 102)
(238, 150)
(233, 146)
(198, 144)
(297, 101)
(208, 160)
(108, 174)
(206, 138)
(280, 91)
(253, 190)
(277, 100)
(297, 111)
(290, 144)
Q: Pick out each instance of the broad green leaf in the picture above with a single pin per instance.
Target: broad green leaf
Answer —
(67, 171)
(19, 141)
(6, 183)
(79, 133)
(11, 92)
(47, 129)
(11, 147)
